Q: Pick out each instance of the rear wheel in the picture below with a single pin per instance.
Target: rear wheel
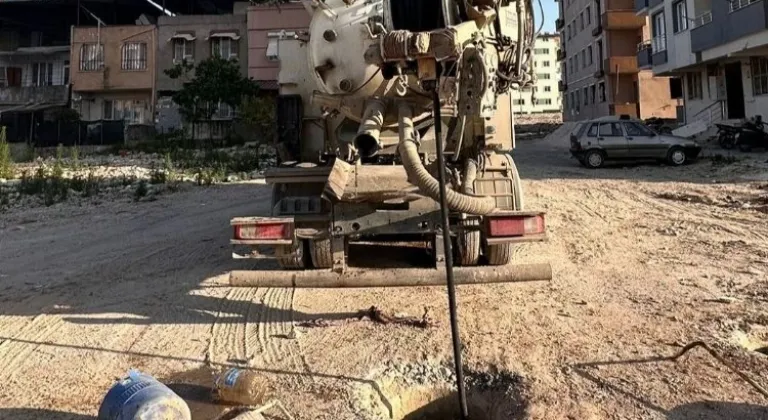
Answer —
(468, 242)
(499, 254)
(291, 257)
(321, 253)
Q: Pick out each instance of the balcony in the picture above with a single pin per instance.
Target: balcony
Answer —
(641, 7)
(727, 22)
(560, 54)
(621, 14)
(34, 94)
(644, 55)
(562, 86)
(621, 64)
(629, 108)
(559, 24)
(659, 50)
(597, 30)
(599, 73)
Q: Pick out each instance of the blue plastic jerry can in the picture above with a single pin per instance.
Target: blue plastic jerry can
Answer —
(139, 396)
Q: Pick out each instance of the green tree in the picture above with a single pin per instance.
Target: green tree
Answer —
(215, 80)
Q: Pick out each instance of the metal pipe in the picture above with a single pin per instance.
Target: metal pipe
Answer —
(402, 277)
(449, 279)
(367, 139)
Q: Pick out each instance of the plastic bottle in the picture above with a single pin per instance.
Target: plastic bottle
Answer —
(243, 387)
(141, 397)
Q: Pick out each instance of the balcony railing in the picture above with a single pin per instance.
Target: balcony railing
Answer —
(562, 86)
(738, 4)
(644, 54)
(702, 19)
(559, 24)
(597, 30)
(640, 5)
(561, 54)
(34, 94)
(659, 43)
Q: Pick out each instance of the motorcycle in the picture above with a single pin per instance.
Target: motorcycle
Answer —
(752, 135)
(726, 135)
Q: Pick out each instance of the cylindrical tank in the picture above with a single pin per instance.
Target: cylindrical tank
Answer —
(241, 386)
(139, 396)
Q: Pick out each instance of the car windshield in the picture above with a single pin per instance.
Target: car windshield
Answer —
(637, 129)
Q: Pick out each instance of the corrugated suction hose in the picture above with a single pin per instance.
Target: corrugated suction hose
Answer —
(409, 153)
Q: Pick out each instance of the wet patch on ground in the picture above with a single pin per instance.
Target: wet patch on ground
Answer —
(428, 392)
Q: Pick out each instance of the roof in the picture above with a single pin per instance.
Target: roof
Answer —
(31, 107)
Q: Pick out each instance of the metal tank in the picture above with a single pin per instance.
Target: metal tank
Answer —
(362, 95)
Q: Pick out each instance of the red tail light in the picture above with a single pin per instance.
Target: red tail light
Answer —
(263, 231)
(516, 225)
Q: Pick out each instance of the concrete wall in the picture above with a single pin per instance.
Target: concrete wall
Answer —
(265, 19)
(201, 27)
(37, 94)
(91, 105)
(113, 77)
(655, 100)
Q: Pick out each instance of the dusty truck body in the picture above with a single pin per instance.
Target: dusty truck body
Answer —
(357, 133)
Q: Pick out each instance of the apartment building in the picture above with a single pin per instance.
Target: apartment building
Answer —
(718, 48)
(34, 79)
(545, 96)
(193, 38)
(599, 64)
(113, 73)
(266, 25)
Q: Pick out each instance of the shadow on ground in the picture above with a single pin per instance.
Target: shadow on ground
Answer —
(718, 410)
(39, 414)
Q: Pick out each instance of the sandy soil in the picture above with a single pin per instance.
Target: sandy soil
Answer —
(646, 258)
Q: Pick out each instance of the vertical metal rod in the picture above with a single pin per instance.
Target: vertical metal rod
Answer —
(449, 257)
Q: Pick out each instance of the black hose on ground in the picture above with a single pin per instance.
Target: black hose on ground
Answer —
(409, 153)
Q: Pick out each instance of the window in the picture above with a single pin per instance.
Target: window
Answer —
(570, 64)
(693, 80)
(42, 74)
(738, 4)
(91, 57)
(134, 56)
(224, 47)
(183, 49)
(547, 88)
(586, 95)
(680, 15)
(589, 55)
(576, 61)
(518, 102)
(544, 101)
(545, 64)
(2, 77)
(130, 111)
(592, 131)
(601, 91)
(541, 50)
(565, 101)
(543, 76)
(569, 31)
(589, 16)
(584, 57)
(637, 130)
(65, 72)
(659, 31)
(592, 93)
(578, 99)
(610, 130)
(759, 75)
(581, 21)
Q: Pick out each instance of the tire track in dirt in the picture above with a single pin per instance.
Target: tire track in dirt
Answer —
(228, 330)
(13, 350)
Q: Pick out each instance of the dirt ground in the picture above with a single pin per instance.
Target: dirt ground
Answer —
(646, 258)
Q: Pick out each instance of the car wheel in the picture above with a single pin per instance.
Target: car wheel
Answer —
(594, 159)
(676, 156)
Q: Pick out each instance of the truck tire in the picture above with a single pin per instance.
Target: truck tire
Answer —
(500, 254)
(291, 257)
(468, 243)
(321, 253)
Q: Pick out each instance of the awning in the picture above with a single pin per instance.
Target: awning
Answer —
(224, 34)
(189, 36)
(31, 107)
(37, 50)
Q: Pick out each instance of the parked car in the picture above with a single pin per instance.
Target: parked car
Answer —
(621, 138)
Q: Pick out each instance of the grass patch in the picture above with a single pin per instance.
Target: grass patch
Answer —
(6, 161)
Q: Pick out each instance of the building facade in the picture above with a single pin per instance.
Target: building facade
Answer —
(113, 73)
(34, 80)
(718, 49)
(194, 38)
(545, 96)
(599, 63)
(266, 24)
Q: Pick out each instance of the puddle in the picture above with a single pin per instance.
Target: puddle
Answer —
(490, 396)
(195, 387)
